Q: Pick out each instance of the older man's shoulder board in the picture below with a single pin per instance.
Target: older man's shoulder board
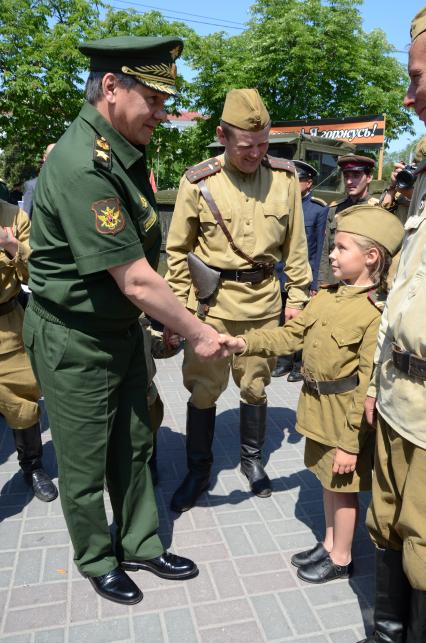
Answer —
(102, 154)
(378, 299)
(315, 199)
(203, 170)
(276, 163)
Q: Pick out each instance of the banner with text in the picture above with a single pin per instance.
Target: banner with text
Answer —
(360, 130)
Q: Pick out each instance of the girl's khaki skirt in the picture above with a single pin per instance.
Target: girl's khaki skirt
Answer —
(319, 459)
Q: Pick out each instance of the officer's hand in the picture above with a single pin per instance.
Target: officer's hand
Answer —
(233, 344)
(290, 313)
(344, 462)
(312, 293)
(206, 345)
(370, 411)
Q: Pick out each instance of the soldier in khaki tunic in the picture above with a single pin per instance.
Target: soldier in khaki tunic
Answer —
(338, 333)
(396, 518)
(19, 393)
(258, 200)
(357, 175)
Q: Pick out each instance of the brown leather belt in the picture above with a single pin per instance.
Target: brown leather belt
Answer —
(8, 306)
(251, 275)
(410, 364)
(329, 387)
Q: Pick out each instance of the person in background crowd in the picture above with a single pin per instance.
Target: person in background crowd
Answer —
(19, 392)
(239, 213)
(29, 186)
(396, 403)
(357, 175)
(338, 332)
(315, 219)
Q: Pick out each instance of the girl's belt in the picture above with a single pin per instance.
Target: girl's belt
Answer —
(330, 387)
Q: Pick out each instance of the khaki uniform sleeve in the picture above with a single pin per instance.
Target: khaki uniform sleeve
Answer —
(382, 348)
(21, 231)
(349, 436)
(295, 253)
(324, 267)
(182, 238)
(284, 340)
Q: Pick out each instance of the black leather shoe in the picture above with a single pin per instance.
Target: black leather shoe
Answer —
(165, 566)
(117, 586)
(43, 487)
(189, 491)
(324, 570)
(294, 376)
(283, 366)
(309, 556)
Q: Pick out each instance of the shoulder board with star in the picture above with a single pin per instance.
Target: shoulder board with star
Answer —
(102, 152)
(378, 299)
(315, 199)
(203, 170)
(276, 163)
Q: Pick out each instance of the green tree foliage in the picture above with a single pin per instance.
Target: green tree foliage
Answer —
(41, 69)
(309, 59)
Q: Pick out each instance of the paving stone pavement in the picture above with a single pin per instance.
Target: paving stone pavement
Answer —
(247, 589)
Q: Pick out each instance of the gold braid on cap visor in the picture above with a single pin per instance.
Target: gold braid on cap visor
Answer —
(160, 77)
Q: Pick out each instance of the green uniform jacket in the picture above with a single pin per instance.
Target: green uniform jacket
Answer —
(338, 332)
(105, 217)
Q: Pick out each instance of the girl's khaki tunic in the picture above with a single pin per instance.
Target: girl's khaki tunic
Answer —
(338, 333)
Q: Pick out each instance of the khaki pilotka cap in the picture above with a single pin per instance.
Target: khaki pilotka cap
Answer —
(373, 222)
(244, 109)
(149, 60)
(418, 24)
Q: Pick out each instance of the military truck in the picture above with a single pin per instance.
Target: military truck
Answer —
(319, 152)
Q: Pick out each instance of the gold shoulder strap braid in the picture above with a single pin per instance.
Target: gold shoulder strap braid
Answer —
(219, 220)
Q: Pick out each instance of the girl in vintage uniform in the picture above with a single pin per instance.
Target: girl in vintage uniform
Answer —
(337, 331)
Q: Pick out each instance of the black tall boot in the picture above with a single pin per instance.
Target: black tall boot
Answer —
(30, 451)
(252, 438)
(199, 438)
(417, 618)
(393, 597)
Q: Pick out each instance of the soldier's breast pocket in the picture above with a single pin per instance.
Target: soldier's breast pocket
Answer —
(276, 215)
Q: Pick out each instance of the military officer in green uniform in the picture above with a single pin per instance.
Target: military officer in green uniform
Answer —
(96, 241)
(357, 175)
(397, 401)
(259, 204)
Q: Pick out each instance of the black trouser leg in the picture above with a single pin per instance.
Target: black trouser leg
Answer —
(393, 597)
(30, 450)
(252, 438)
(417, 618)
(199, 438)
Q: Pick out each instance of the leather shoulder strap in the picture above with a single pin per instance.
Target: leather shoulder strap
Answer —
(219, 220)
(203, 170)
(276, 163)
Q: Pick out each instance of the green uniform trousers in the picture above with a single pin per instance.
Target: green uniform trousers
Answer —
(94, 387)
(251, 374)
(396, 518)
